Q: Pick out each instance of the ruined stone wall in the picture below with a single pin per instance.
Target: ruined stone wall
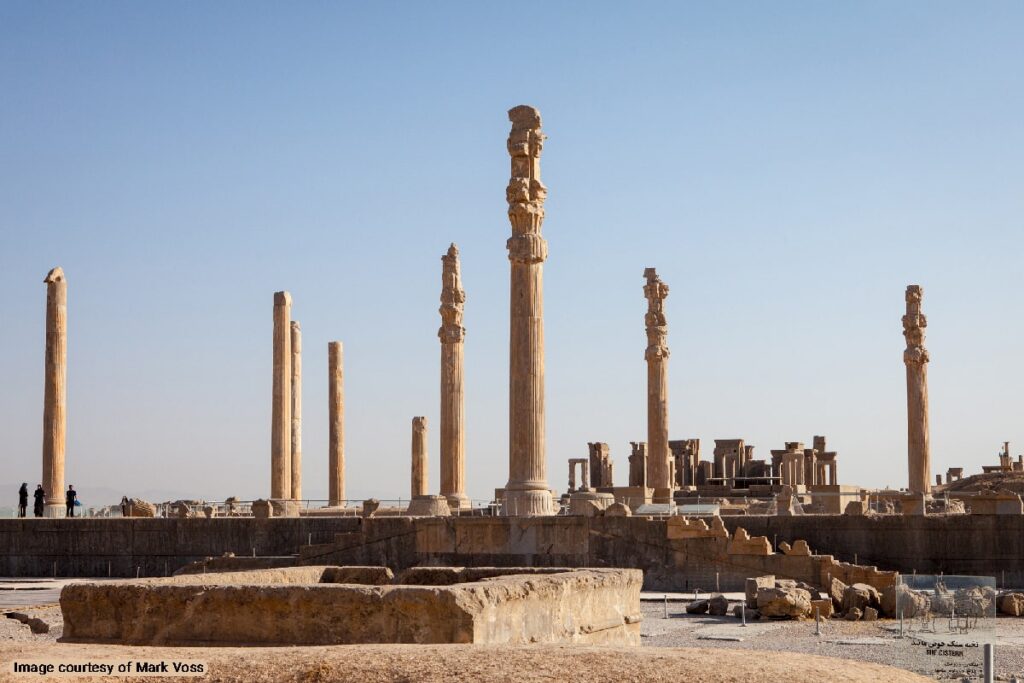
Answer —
(958, 544)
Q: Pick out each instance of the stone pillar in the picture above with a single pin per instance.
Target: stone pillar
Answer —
(453, 404)
(527, 492)
(916, 359)
(419, 457)
(638, 463)
(281, 413)
(658, 470)
(296, 411)
(55, 393)
(336, 422)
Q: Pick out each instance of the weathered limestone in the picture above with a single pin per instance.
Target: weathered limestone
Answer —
(281, 414)
(527, 492)
(419, 457)
(453, 409)
(916, 359)
(55, 392)
(638, 463)
(325, 606)
(336, 422)
(600, 465)
(428, 506)
(659, 472)
(296, 410)
(584, 465)
(686, 453)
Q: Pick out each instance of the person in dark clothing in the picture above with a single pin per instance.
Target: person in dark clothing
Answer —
(69, 500)
(22, 499)
(40, 496)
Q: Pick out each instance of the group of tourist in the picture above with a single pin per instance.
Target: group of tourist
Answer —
(70, 499)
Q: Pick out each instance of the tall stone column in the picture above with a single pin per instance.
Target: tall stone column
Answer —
(281, 414)
(296, 391)
(658, 452)
(915, 357)
(55, 393)
(527, 492)
(419, 457)
(336, 422)
(453, 408)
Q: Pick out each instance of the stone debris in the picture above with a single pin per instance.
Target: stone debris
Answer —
(1011, 604)
(718, 606)
(698, 607)
(792, 603)
(852, 615)
(752, 586)
(870, 614)
(860, 595)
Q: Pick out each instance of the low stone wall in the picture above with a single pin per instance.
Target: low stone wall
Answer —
(990, 545)
(295, 607)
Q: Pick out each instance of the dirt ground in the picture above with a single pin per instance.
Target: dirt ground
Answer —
(430, 663)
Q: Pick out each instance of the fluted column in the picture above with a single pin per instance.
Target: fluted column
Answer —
(659, 475)
(336, 422)
(281, 414)
(296, 390)
(527, 492)
(419, 457)
(915, 357)
(453, 404)
(55, 393)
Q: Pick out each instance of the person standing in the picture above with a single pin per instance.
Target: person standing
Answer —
(22, 499)
(40, 495)
(69, 500)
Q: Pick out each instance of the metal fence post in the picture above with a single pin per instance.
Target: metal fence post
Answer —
(990, 665)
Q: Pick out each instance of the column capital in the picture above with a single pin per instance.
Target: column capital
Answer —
(452, 298)
(656, 292)
(914, 324)
(526, 193)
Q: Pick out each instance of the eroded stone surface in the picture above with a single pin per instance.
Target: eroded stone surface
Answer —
(293, 606)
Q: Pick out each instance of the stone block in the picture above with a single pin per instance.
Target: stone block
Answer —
(261, 509)
(1011, 604)
(855, 507)
(293, 607)
(684, 527)
(743, 544)
(718, 606)
(753, 584)
(824, 608)
(618, 510)
(799, 547)
(698, 607)
(792, 603)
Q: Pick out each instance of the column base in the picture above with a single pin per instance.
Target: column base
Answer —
(55, 510)
(428, 506)
(662, 496)
(458, 501)
(527, 503)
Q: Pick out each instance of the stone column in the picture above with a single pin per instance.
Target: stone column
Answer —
(296, 411)
(419, 457)
(916, 359)
(527, 492)
(658, 471)
(336, 422)
(453, 408)
(281, 414)
(55, 393)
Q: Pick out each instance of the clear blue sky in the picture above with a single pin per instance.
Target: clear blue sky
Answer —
(788, 167)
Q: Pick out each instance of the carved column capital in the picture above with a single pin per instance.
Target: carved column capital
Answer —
(914, 324)
(452, 298)
(526, 193)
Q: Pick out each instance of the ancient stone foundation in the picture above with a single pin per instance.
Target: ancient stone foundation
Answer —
(334, 605)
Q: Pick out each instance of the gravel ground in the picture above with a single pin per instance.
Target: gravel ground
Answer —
(681, 647)
(862, 641)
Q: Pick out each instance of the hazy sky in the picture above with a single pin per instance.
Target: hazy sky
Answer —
(788, 167)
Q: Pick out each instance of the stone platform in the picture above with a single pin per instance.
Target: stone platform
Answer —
(321, 605)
